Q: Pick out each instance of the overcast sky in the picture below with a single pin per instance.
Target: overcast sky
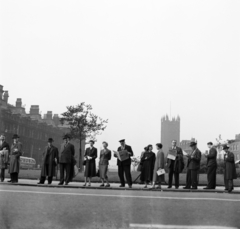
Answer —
(129, 60)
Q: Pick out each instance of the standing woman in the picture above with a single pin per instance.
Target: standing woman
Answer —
(105, 156)
(159, 164)
(16, 152)
(148, 161)
(90, 169)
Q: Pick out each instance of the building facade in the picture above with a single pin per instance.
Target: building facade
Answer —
(170, 130)
(33, 130)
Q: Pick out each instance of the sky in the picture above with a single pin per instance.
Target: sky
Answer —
(130, 60)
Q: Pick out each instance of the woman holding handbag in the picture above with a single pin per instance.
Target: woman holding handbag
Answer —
(159, 164)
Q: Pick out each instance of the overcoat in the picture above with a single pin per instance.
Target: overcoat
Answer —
(159, 164)
(4, 158)
(194, 163)
(67, 153)
(14, 157)
(178, 162)
(52, 158)
(148, 162)
(229, 166)
(90, 169)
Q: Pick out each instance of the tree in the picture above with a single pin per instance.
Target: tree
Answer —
(135, 162)
(83, 124)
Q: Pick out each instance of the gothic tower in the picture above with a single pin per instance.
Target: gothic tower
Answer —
(170, 130)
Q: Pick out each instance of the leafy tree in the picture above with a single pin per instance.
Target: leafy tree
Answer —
(83, 124)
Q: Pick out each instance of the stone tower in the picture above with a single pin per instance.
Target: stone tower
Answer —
(170, 130)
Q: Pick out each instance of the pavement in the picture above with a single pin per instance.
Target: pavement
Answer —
(27, 205)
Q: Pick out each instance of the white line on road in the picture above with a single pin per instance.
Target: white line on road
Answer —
(119, 196)
(162, 226)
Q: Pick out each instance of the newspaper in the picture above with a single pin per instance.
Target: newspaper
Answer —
(172, 154)
(185, 153)
(122, 155)
(237, 162)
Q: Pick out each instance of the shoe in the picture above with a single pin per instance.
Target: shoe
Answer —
(145, 186)
(176, 187)
(169, 187)
(102, 185)
(9, 181)
(40, 183)
(89, 185)
(206, 188)
(60, 183)
(194, 188)
(129, 186)
(230, 190)
(107, 185)
(121, 186)
(66, 183)
(84, 185)
(186, 187)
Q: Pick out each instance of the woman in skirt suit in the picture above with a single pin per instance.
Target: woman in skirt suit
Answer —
(159, 164)
(90, 169)
(105, 156)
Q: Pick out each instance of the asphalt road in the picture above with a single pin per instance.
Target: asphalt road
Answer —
(68, 208)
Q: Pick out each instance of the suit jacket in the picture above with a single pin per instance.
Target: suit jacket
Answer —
(67, 153)
(212, 157)
(105, 157)
(91, 153)
(178, 162)
(128, 161)
(194, 163)
(5, 157)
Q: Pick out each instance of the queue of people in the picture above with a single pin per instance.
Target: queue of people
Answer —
(152, 166)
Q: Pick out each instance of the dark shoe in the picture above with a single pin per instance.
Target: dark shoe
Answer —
(169, 187)
(194, 188)
(206, 188)
(121, 186)
(107, 185)
(9, 181)
(89, 185)
(230, 190)
(186, 187)
(176, 187)
(129, 186)
(225, 189)
(66, 183)
(60, 183)
(102, 185)
(40, 183)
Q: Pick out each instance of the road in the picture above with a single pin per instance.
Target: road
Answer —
(70, 208)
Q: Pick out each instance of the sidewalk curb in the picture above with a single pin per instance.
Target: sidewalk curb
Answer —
(122, 189)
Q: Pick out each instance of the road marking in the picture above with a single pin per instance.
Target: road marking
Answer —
(161, 226)
(119, 196)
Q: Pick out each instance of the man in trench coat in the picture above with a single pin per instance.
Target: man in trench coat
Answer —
(49, 162)
(4, 156)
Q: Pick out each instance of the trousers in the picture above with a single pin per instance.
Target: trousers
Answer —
(127, 170)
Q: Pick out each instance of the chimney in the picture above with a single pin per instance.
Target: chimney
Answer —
(34, 110)
(19, 103)
(5, 96)
(49, 115)
(1, 92)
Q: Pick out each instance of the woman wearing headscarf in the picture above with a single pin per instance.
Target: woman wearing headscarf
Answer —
(105, 157)
(147, 161)
(14, 158)
(159, 164)
(90, 169)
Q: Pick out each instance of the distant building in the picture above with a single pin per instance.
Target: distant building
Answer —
(185, 145)
(32, 128)
(170, 130)
(235, 147)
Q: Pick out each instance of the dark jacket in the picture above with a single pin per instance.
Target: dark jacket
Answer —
(105, 156)
(14, 157)
(67, 154)
(128, 161)
(91, 153)
(5, 157)
(50, 154)
(178, 162)
(194, 163)
(212, 158)
(229, 166)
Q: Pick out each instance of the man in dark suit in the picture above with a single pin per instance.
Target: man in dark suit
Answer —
(66, 160)
(125, 166)
(175, 166)
(211, 166)
(49, 162)
(193, 166)
(4, 156)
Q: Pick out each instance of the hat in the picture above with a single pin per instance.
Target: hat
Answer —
(50, 140)
(193, 143)
(66, 136)
(92, 141)
(123, 140)
(225, 147)
(209, 143)
(15, 136)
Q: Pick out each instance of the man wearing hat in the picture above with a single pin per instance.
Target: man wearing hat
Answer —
(66, 159)
(193, 166)
(229, 169)
(4, 156)
(211, 166)
(125, 166)
(49, 162)
(14, 158)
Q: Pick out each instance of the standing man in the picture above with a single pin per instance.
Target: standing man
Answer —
(4, 156)
(49, 162)
(125, 166)
(66, 159)
(211, 166)
(193, 166)
(229, 169)
(175, 166)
